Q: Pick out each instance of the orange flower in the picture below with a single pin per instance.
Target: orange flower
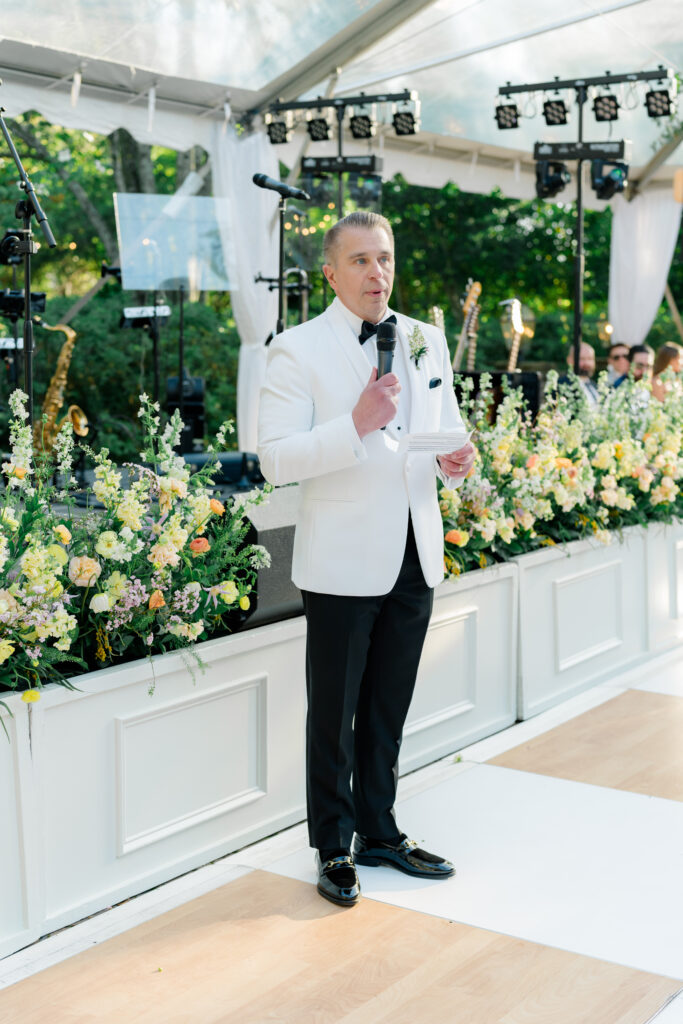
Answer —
(532, 461)
(157, 600)
(216, 506)
(457, 537)
(199, 545)
(563, 463)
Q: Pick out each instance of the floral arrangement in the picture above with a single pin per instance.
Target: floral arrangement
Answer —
(574, 472)
(159, 563)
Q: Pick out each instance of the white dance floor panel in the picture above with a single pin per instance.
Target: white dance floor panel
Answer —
(578, 867)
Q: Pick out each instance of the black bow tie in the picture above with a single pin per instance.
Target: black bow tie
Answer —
(368, 329)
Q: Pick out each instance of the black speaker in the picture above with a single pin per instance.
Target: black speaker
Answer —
(239, 471)
(532, 383)
(272, 525)
(194, 416)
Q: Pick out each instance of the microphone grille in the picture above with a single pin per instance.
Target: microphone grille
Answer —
(386, 332)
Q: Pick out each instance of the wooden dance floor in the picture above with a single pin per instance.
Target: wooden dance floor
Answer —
(567, 907)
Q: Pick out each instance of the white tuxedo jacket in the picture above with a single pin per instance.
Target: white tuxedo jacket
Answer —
(355, 495)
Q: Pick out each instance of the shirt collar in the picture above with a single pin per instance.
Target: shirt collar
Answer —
(355, 322)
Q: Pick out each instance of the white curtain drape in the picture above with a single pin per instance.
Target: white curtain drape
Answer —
(253, 234)
(644, 234)
(168, 128)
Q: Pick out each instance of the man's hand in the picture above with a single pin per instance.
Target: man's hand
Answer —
(377, 403)
(458, 464)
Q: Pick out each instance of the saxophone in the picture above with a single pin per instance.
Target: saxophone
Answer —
(44, 434)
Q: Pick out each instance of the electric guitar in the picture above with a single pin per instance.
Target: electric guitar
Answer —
(468, 334)
(517, 325)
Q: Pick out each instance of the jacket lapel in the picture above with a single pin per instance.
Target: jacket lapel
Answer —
(418, 385)
(348, 342)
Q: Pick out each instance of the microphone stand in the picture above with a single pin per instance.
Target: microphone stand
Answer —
(26, 247)
(281, 269)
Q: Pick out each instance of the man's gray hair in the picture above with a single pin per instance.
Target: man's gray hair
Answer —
(357, 219)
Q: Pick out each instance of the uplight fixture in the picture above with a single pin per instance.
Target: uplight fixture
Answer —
(507, 115)
(319, 129)
(278, 130)
(658, 103)
(361, 125)
(555, 112)
(606, 107)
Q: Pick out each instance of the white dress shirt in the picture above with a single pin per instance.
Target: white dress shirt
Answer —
(398, 427)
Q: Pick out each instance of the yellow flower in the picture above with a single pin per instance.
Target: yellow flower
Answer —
(59, 554)
(107, 542)
(227, 591)
(115, 584)
(6, 650)
(30, 696)
(63, 534)
(8, 605)
(244, 603)
(8, 518)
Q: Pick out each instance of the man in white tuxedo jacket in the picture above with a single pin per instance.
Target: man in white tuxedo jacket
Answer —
(368, 547)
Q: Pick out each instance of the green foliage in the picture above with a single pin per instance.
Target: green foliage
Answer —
(111, 366)
(443, 237)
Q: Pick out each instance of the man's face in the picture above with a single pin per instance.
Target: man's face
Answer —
(586, 360)
(362, 271)
(641, 367)
(618, 360)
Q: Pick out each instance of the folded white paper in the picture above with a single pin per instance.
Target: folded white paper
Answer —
(439, 443)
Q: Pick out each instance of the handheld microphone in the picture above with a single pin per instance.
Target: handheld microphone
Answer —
(287, 191)
(386, 343)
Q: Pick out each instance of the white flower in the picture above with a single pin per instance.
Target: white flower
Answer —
(99, 603)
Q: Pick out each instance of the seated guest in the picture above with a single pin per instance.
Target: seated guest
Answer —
(641, 359)
(617, 362)
(586, 371)
(668, 358)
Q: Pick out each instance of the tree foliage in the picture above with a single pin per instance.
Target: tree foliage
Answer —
(443, 237)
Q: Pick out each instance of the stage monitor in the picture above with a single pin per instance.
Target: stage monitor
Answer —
(171, 241)
(531, 382)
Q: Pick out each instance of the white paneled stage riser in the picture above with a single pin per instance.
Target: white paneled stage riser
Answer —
(110, 790)
(665, 585)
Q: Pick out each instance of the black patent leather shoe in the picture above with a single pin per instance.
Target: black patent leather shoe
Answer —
(404, 854)
(338, 881)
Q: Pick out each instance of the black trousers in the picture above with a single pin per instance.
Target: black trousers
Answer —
(362, 655)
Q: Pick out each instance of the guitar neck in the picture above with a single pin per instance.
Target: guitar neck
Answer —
(514, 352)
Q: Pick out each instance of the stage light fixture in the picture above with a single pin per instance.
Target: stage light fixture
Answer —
(555, 112)
(278, 131)
(319, 129)
(606, 108)
(405, 122)
(551, 178)
(658, 103)
(507, 115)
(361, 125)
(606, 184)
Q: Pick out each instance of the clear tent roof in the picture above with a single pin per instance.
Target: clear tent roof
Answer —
(455, 53)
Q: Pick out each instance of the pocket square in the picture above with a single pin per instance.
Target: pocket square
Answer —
(435, 382)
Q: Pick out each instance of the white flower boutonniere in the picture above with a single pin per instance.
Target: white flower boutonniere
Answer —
(418, 345)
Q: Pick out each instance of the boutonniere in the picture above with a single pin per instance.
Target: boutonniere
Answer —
(418, 345)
